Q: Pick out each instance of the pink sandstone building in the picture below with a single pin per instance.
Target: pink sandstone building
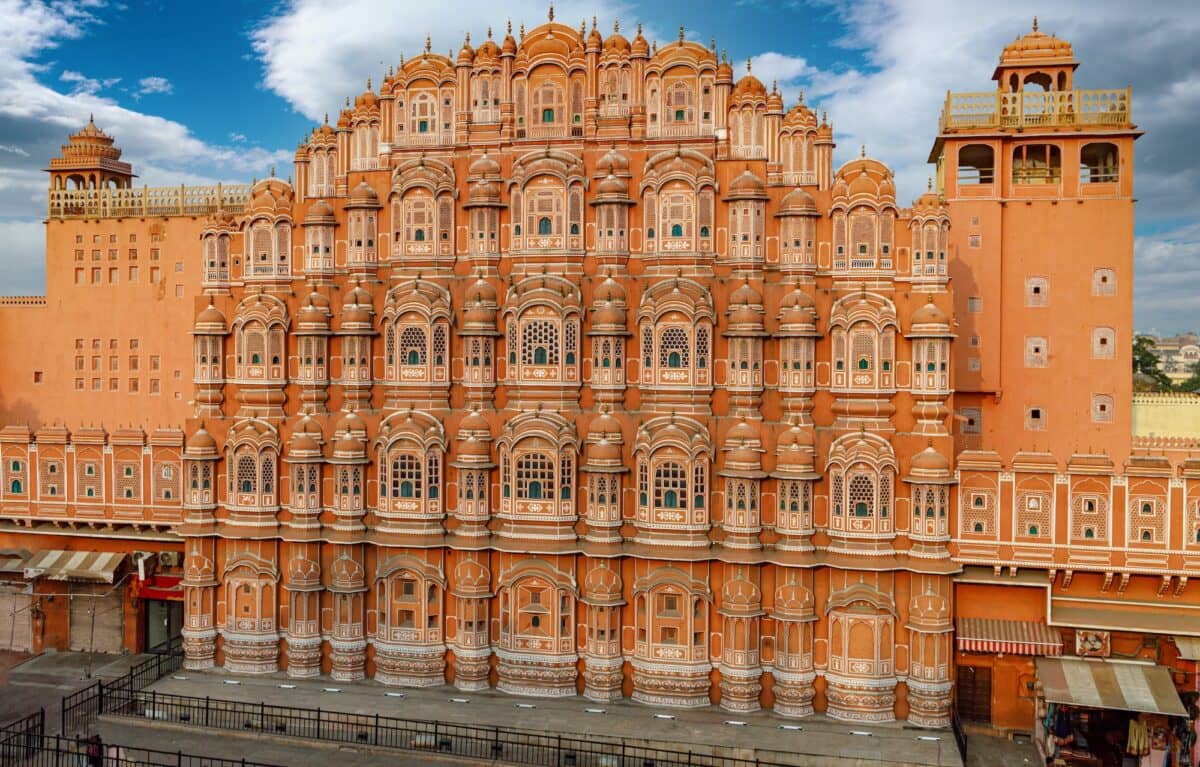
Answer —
(575, 366)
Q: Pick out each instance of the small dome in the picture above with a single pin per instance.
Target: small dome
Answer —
(303, 445)
(466, 54)
(639, 46)
(749, 87)
(509, 46)
(747, 186)
(485, 165)
(616, 43)
(930, 314)
(605, 425)
(930, 460)
(1036, 47)
(798, 202)
(483, 192)
(740, 594)
(608, 314)
(613, 186)
(603, 584)
(614, 161)
(211, 317)
(315, 310)
(474, 422)
(363, 196)
(488, 52)
(474, 447)
(746, 294)
(793, 600)
(358, 296)
(366, 99)
(320, 212)
(610, 290)
(201, 442)
(481, 290)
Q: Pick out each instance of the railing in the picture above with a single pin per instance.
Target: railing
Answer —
(960, 737)
(19, 738)
(1029, 109)
(365, 163)
(800, 178)
(463, 741)
(485, 115)
(148, 201)
(22, 300)
(82, 707)
(57, 751)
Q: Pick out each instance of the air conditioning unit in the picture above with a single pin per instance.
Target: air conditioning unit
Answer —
(170, 559)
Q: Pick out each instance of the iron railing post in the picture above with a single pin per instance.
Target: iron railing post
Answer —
(206, 702)
(377, 728)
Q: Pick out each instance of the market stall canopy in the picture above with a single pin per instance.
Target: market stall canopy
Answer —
(56, 565)
(13, 560)
(1105, 684)
(993, 635)
(1189, 647)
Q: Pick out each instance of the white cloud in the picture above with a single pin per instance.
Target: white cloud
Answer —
(23, 268)
(36, 118)
(81, 84)
(148, 85)
(913, 51)
(237, 138)
(315, 53)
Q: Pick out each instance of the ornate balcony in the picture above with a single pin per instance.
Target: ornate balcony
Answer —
(148, 201)
(1036, 109)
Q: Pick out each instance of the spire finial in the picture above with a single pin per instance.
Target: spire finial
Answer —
(801, 102)
(428, 45)
(594, 22)
(582, 27)
(467, 40)
(681, 34)
(616, 26)
(522, 30)
(929, 184)
(551, 14)
(1035, 24)
(272, 170)
(774, 86)
(509, 26)
(748, 64)
(863, 151)
(91, 117)
(654, 46)
(368, 83)
(712, 44)
(326, 118)
(724, 56)
(489, 31)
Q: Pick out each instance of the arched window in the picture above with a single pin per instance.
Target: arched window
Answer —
(545, 225)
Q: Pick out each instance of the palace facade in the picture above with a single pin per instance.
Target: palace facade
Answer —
(573, 365)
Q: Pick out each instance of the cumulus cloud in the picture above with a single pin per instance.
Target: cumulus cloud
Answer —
(148, 85)
(314, 53)
(35, 119)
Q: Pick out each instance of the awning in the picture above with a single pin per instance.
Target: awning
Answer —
(992, 635)
(97, 566)
(13, 560)
(1104, 684)
(1189, 647)
(161, 587)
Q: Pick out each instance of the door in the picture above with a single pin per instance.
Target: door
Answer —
(97, 617)
(164, 622)
(974, 694)
(16, 618)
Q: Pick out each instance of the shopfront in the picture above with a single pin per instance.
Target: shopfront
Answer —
(1110, 713)
(161, 602)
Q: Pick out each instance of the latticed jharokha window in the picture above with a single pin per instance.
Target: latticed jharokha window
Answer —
(535, 477)
(670, 486)
(539, 342)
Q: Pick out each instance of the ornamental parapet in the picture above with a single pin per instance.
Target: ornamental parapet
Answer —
(148, 201)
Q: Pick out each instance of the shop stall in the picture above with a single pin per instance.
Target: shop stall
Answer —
(1110, 713)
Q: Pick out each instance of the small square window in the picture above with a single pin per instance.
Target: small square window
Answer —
(975, 304)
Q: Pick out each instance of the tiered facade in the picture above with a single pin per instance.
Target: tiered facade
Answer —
(575, 366)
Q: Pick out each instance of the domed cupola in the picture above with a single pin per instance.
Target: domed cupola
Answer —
(747, 186)
(603, 444)
(745, 312)
(794, 454)
(798, 315)
(743, 452)
(797, 202)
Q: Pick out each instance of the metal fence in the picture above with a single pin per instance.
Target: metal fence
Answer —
(459, 740)
(82, 707)
(57, 751)
(17, 738)
(960, 737)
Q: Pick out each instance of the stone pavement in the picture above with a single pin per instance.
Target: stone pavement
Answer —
(43, 680)
(818, 741)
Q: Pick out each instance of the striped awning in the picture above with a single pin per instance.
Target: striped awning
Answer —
(992, 635)
(13, 560)
(97, 566)
(1105, 684)
(1189, 647)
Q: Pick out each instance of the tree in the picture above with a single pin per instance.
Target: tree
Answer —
(1192, 383)
(1146, 363)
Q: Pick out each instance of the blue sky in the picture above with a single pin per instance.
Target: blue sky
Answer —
(222, 90)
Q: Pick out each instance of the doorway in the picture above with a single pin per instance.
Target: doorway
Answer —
(974, 694)
(164, 622)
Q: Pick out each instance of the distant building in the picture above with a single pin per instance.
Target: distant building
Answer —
(1177, 355)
